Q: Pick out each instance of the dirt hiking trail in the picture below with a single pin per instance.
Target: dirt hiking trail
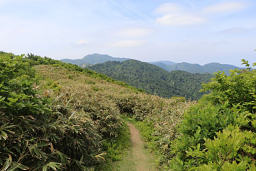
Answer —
(137, 158)
(143, 161)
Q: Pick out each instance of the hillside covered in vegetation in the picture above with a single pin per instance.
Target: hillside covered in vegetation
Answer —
(62, 117)
(57, 116)
(154, 79)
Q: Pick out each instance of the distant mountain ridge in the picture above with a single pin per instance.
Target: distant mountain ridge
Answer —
(163, 64)
(154, 79)
(196, 68)
(93, 59)
(211, 68)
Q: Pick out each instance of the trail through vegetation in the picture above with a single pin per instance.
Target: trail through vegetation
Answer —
(137, 158)
(57, 116)
(143, 162)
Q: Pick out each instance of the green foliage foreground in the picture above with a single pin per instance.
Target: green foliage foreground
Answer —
(219, 133)
(41, 133)
(27, 123)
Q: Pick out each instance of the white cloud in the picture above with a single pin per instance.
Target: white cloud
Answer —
(81, 42)
(130, 37)
(174, 15)
(168, 8)
(134, 32)
(179, 20)
(128, 43)
(225, 7)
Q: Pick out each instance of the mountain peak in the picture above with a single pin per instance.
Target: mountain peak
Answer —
(97, 58)
(93, 59)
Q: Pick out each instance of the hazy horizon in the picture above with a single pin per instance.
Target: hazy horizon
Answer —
(152, 60)
(192, 31)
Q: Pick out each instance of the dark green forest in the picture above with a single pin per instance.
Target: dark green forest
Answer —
(155, 80)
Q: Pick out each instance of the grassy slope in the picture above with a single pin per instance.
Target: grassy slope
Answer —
(76, 89)
(84, 93)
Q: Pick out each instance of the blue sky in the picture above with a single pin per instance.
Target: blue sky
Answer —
(196, 31)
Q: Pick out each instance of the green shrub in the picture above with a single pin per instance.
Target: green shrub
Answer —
(25, 119)
(219, 132)
(56, 129)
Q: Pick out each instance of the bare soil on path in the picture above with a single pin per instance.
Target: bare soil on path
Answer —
(143, 160)
(137, 158)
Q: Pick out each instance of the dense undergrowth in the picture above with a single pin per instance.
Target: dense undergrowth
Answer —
(157, 119)
(219, 133)
(45, 126)
(61, 117)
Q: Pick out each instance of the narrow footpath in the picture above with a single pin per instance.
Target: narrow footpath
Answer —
(137, 159)
(143, 160)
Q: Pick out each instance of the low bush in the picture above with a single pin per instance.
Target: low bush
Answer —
(27, 122)
(219, 132)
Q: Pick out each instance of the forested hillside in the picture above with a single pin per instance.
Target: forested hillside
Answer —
(195, 68)
(154, 79)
